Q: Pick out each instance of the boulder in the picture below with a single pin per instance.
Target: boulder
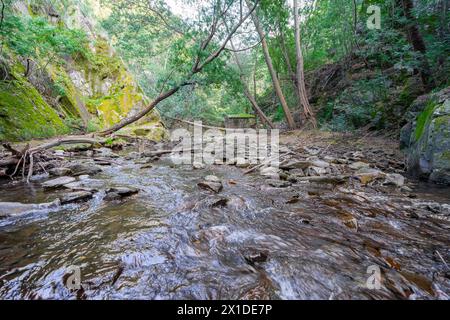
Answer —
(428, 146)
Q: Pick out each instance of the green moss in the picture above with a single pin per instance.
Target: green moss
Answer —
(446, 155)
(423, 120)
(25, 114)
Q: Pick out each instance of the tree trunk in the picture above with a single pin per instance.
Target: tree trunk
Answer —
(417, 42)
(142, 113)
(273, 74)
(301, 86)
(247, 93)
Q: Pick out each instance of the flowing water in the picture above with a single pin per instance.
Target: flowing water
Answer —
(176, 241)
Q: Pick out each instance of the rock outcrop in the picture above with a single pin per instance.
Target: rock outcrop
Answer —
(46, 96)
(426, 138)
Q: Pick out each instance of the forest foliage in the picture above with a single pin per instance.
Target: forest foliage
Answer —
(375, 72)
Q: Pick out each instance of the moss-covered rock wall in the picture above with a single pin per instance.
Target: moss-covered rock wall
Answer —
(73, 93)
(427, 137)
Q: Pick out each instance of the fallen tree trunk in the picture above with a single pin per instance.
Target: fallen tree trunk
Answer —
(65, 141)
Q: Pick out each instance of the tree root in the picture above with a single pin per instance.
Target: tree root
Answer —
(30, 157)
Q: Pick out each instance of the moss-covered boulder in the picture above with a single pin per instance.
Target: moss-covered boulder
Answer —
(427, 138)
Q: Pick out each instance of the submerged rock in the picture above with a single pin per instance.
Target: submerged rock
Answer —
(12, 209)
(58, 182)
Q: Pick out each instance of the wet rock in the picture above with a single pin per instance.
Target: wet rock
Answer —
(220, 203)
(367, 175)
(406, 189)
(359, 165)
(270, 172)
(39, 177)
(76, 196)
(395, 179)
(278, 183)
(253, 256)
(143, 161)
(297, 173)
(133, 155)
(237, 203)
(103, 163)
(335, 180)
(105, 152)
(86, 184)
(212, 186)
(123, 191)
(119, 193)
(58, 182)
(79, 169)
(341, 161)
(320, 164)
(60, 172)
(316, 171)
(198, 166)
(12, 209)
(242, 163)
(211, 183)
(296, 165)
(58, 153)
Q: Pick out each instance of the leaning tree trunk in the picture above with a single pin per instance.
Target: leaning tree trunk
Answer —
(273, 74)
(301, 86)
(142, 113)
(247, 92)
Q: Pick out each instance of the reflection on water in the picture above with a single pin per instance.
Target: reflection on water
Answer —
(175, 241)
